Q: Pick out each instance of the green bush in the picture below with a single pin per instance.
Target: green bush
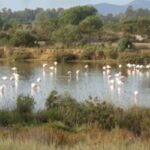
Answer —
(41, 116)
(24, 108)
(5, 118)
(65, 113)
(111, 53)
(63, 108)
(136, 120)
(125, 44)
(23, 38)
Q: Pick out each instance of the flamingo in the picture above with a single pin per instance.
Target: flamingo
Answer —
(44, 65)
(69, 73)
(104, 67)
(77, 72)
(51, 67)
(136, 93)
(14, 69)
(120, 66)
(108, 67)
(55, 63)
(34, 86)
(38, 80)
(86, 66)
(136, 97)
(5, 78)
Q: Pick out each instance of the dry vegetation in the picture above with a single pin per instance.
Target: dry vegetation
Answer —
(45, 138)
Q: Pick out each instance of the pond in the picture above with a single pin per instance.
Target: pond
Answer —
(80, 82)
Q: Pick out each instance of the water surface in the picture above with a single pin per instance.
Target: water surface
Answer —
(90, 82)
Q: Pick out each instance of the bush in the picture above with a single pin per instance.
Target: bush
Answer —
(23, 38)
(136, 120)
(91, 51)
(41, 117)
(63, 108)
(65, 113)
(66, 57)
(5, 118)
(100, 113)
(111, 53)
(25, 105)
(88, 54)
(125, 44)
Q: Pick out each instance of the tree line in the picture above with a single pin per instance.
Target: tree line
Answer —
(71, 27)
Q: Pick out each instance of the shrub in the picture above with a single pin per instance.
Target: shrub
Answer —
(66, 57)
(41, 117)
(5, 118)
(100, 113)
(136, 120)
(25, 105)
(111, 53)
(125, 44)
(63, 108)
(22, 55)
(23, 38)
(53, 101)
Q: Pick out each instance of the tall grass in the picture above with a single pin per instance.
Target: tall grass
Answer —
(41, 139)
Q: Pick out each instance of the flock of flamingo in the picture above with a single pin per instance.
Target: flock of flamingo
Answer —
(116, 79)
(119, 79)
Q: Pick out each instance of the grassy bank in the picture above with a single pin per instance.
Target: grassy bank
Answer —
(68, 124)
(93, 52)
(65, 113)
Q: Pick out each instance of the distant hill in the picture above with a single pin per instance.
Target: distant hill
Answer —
(105, 8)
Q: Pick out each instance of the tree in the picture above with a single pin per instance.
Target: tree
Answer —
(44, 29)
(90, 24)
(67, 35)
(23, 38)
(124, 44)
(76, 14)
(143, 27)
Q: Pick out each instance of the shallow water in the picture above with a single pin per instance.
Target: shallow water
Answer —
(90, 82)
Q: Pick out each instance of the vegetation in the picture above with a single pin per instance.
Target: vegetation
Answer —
(65, 113)
(75, 33)
(67, 123)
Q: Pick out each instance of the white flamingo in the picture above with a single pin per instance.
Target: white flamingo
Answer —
(14, 69)
(34, 86)
(51, 67)
(69, 73)
(38, 80)
(120, 66)
(55, 63)
(5, 78)
(44, 65)
(136, 93)
(86, 66)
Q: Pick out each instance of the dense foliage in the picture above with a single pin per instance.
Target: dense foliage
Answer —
(71, 27)
(66, 113)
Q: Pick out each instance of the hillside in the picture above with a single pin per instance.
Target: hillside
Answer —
(105, 8)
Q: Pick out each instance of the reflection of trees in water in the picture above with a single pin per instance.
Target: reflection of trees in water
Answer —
(25, 68)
